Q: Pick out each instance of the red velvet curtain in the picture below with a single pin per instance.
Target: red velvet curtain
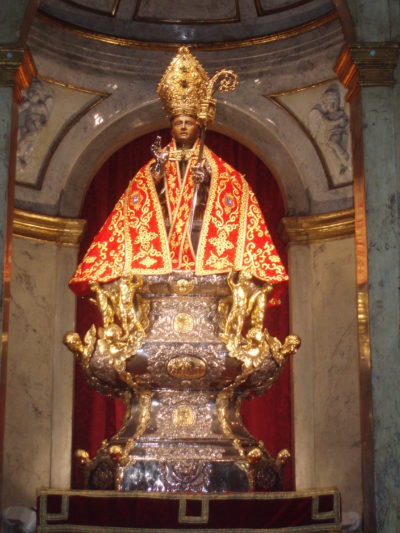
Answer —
(96, 417)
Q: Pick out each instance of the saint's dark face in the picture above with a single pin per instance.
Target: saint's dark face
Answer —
(184, 130)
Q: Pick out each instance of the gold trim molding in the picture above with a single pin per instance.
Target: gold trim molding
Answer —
(64, 231)
(223, 45)
(11, 56)
(24, 75)
(205, 499)
(316, 228)
(367, 65)
(17, 68)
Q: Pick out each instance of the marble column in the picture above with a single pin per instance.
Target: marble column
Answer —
(368, 73)
(15, 19)
(382, 171)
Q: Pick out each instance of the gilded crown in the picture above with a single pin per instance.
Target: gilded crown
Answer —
(186, 89)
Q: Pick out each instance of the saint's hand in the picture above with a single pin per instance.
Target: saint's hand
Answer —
(201, 173)
(161, 156)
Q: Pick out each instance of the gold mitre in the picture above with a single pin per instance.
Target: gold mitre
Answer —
(186, 89)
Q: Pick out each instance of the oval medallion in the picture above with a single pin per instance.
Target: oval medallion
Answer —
(187, 367)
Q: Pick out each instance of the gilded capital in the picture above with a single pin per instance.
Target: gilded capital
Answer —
(64, 231)
(317, 228)
(10, 59)
(367, 65)
(16, 68)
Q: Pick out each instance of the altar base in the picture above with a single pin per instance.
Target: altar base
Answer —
(109, 511)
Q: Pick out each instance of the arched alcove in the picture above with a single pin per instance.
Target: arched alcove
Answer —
(92, 148)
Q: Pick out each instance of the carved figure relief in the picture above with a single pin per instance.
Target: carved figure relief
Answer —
(34, 113)
(329, 125)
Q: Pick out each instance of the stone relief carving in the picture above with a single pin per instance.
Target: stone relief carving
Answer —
(34, 113)
(329, 125)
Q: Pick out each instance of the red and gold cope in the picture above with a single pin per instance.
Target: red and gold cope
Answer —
(134, 240)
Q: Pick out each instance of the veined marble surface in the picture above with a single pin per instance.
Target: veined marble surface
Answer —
(37, 441)
(325, 371)
(383, 233)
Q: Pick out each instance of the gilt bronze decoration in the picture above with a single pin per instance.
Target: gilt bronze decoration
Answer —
(182, 386)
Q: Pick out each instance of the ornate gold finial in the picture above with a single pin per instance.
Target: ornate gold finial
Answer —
(186, 89)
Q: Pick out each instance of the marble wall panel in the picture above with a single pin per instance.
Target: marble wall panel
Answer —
(37, 439)
(63, 371)
(326, 387)
(301, 323)
(336, 385)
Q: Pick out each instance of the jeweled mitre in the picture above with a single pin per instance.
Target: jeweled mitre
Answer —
(186, 89)
(183, 85)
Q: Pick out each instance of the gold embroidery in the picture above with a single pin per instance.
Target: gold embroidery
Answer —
(207, 214)
(133, 240)
(161, 228)
(220, 264)
(229, 229)
(145, 237)
(148, 262)
(221, 242)
(128, 242)
(180, 154)
(244, 202)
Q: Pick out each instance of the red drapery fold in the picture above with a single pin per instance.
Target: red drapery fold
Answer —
(268, 418)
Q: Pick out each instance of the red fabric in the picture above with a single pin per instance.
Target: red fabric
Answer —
(133, 239)
(268, 418)
(160, 512)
